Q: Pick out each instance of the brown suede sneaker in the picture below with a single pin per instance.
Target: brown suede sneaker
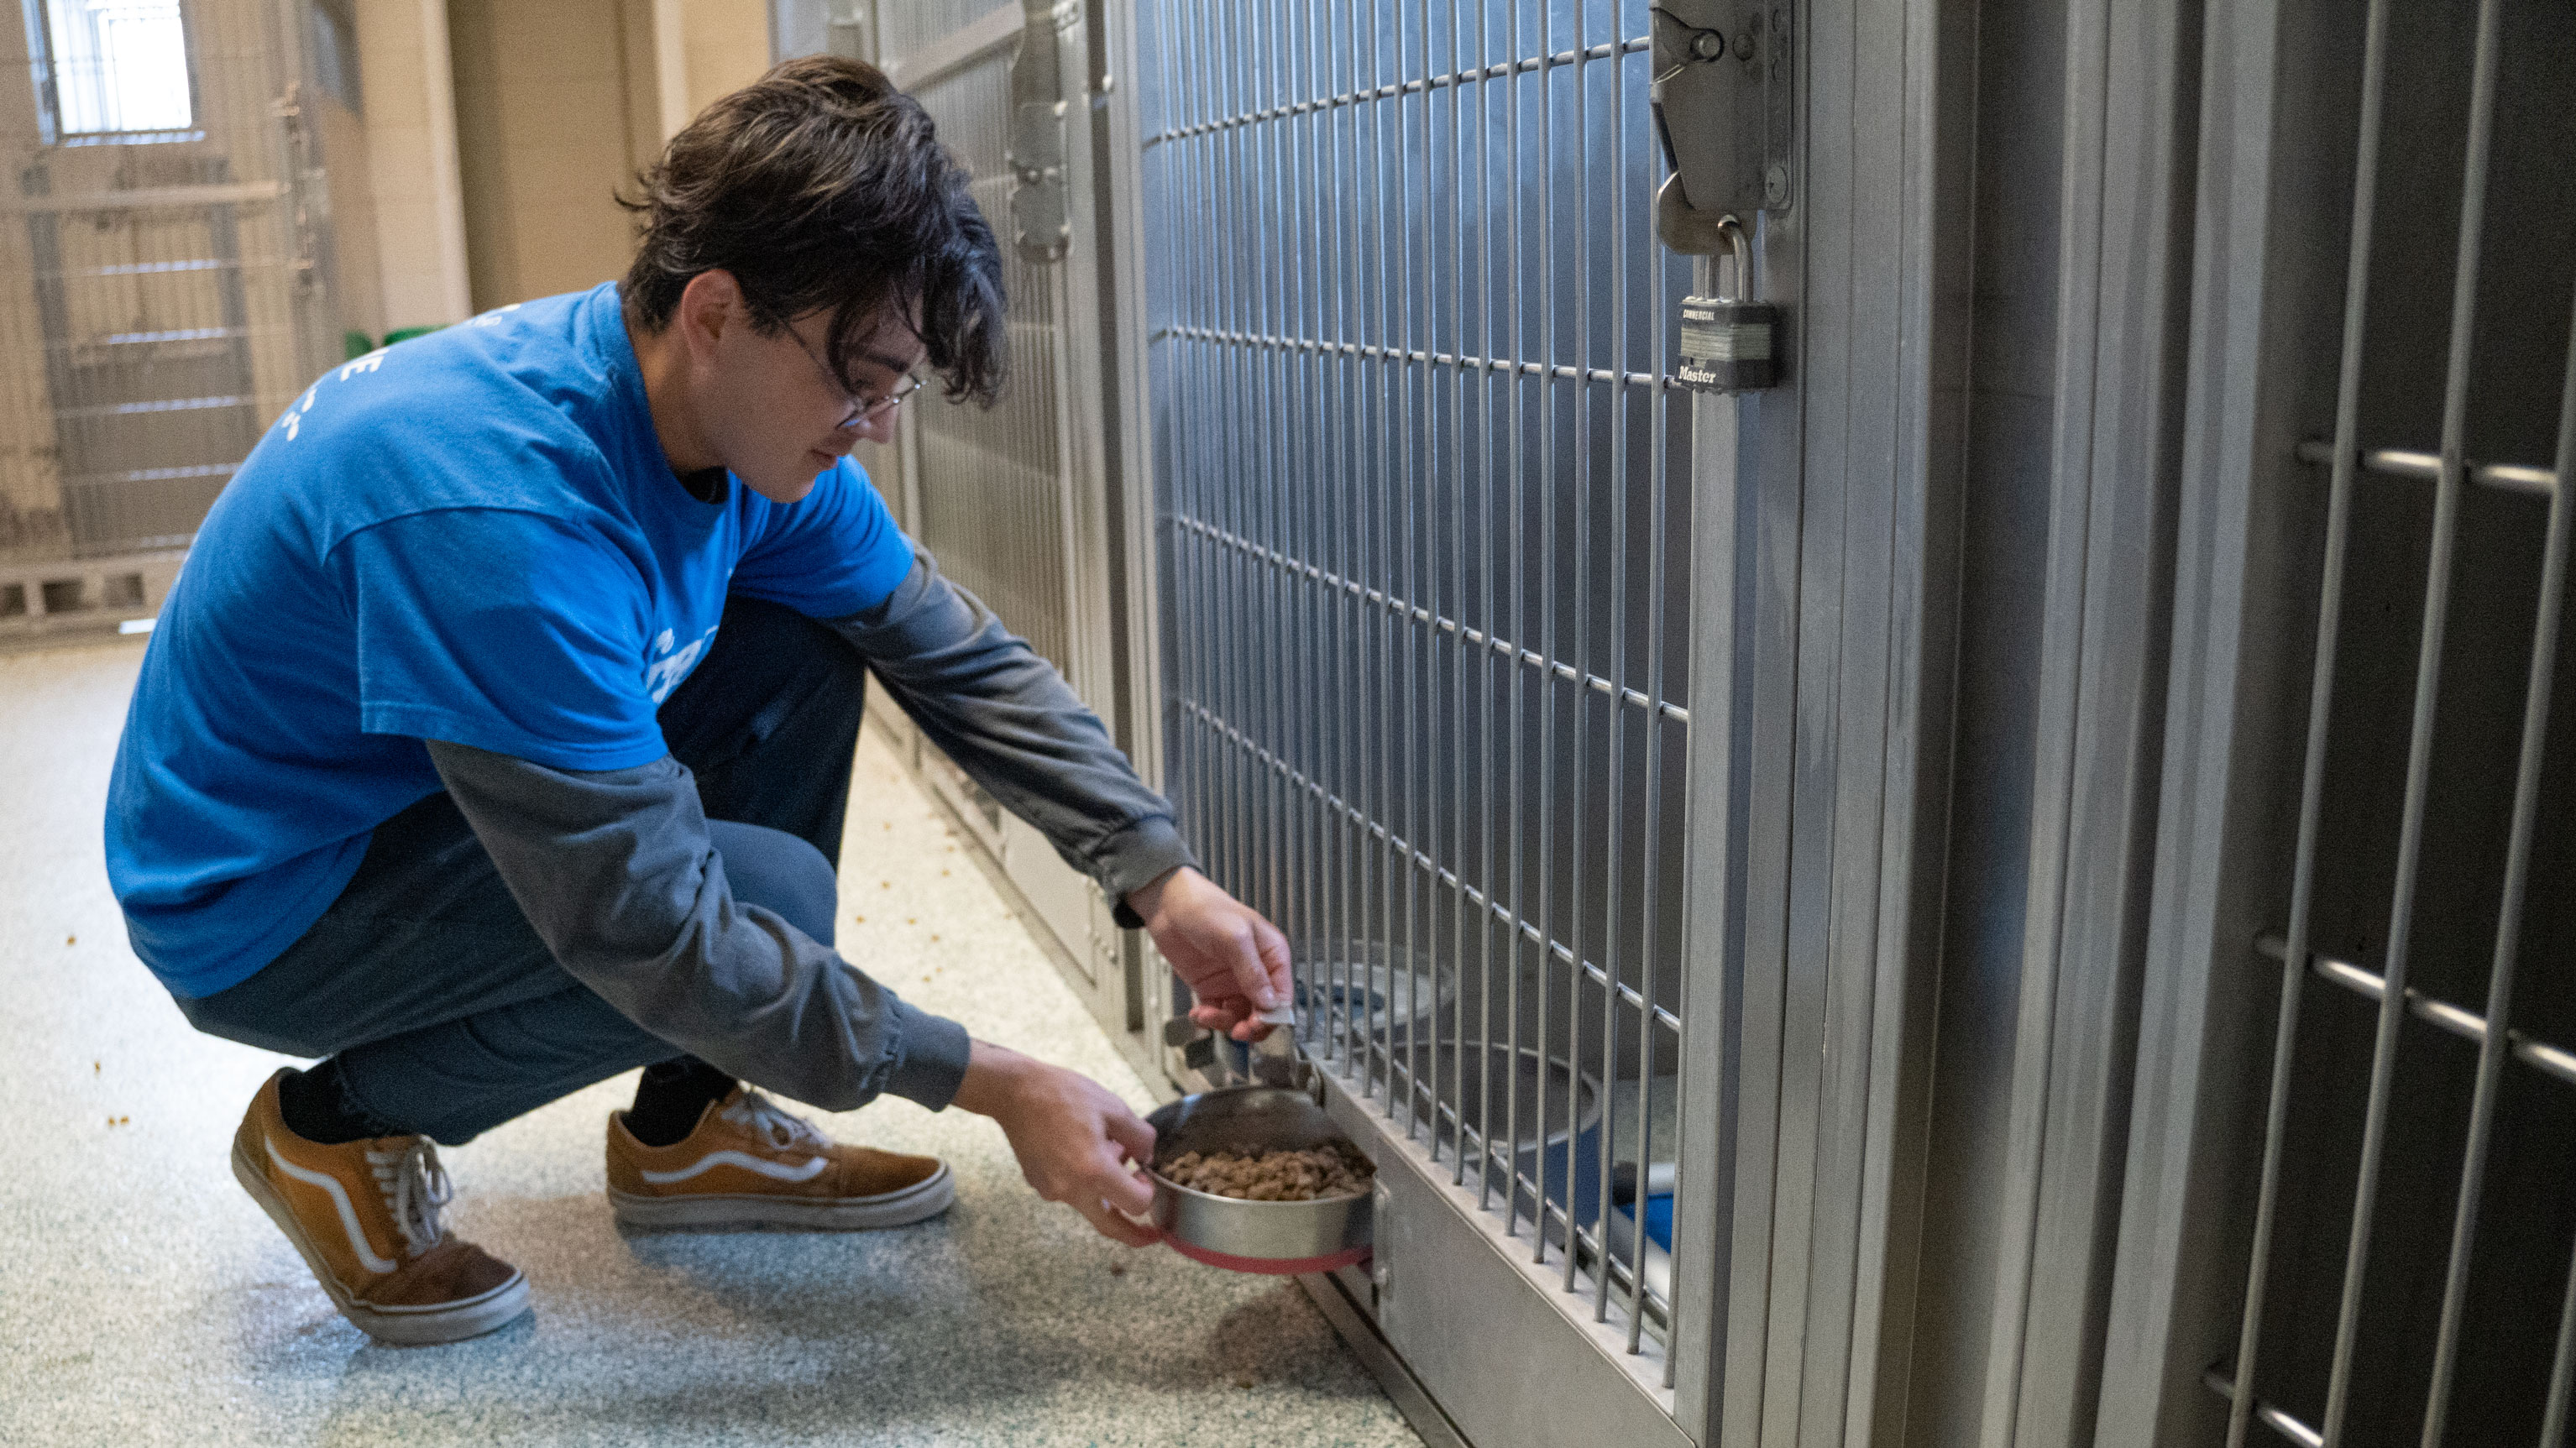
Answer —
(749, 1166)
(365, 1216)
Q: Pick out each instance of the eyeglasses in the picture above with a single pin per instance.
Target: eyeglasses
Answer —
(862, 406)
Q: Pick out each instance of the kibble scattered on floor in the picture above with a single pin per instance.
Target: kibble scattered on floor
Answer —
(146, 1300)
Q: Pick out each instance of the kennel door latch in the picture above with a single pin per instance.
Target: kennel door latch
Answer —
(1720, 95)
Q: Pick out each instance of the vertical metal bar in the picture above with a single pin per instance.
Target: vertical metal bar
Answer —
(1172, 43)
(1201, 150)
(1315, 321)
(2437, 598)
(1517, 849)
(1582, 651)
(1383, 565)
(1309, 546)
(2526, 809)
(1657, 465)
(1202, 451)
(1547, 757)
(1353, 328)
(1209, 423)
(1245, 454)
(1287, 599)
(1298, 637)
(1291, 441)
(2320, 711)
(1269, 444)
(1225, 777)
(1417, 586)
(1224, 392)
(1368, 312)
(1413, 463)
(2492, 1051)
(1614, 833)
(1456, 592)
(1267, 441)
(1487, 618)
(1332, 711)
(1425, 587)
(1248, 464)
(1170, 46)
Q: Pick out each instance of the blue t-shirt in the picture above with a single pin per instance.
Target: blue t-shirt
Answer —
(473, 536)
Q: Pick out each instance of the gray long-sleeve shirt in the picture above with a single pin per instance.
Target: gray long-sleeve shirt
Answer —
(615, 870)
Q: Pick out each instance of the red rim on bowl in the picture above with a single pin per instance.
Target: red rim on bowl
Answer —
(1269, 1266)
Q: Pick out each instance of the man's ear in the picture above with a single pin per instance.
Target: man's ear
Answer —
(710, 304)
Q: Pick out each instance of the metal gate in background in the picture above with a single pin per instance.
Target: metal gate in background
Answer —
(1014, 500)
(172, 235)
(1427, 499)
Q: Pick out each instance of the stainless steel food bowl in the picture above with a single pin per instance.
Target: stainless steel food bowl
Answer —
(1272, 1237)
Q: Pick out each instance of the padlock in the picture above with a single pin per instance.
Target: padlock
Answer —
(1728, 345)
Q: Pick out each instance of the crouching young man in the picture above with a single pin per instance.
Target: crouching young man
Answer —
(497, 737)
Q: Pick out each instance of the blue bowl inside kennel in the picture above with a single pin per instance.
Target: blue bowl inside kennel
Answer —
(1544, 1122)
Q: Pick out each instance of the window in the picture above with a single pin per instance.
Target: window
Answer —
(114, 68)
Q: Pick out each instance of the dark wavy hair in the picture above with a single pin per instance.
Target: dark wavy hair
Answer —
(822, 186)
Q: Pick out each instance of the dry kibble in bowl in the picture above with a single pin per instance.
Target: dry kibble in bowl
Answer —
(1274, 1176)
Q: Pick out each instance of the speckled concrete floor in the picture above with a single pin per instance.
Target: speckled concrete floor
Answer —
(144, 1300)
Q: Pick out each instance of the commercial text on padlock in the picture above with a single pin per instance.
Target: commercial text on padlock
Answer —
(1729, 345)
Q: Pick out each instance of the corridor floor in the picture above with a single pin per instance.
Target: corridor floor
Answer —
(145, 1300)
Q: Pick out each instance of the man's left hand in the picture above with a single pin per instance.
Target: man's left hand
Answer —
(1235, 962)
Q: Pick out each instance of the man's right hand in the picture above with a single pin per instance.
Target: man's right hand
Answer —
(1072, 1135)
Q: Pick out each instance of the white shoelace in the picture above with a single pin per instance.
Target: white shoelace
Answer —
(760, 1114)
(415, 1186)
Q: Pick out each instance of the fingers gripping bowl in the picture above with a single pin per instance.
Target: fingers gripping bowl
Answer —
(1253, 1236)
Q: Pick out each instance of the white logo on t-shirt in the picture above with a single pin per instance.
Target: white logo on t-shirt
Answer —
(667, 669)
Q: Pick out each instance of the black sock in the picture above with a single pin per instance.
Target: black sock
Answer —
(317, 1106)
(670, 1098)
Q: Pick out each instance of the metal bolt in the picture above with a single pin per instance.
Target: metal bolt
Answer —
(1708, 45)
(1775, 186)
(1746, 47)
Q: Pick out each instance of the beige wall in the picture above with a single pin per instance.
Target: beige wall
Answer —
(541, 121)
(411, 166)
(557, 105)
(725, 45)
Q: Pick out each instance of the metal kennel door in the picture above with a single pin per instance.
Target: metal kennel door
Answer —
(1426, 491)
(2353, 1173)
(1011, 500)
(171, 281)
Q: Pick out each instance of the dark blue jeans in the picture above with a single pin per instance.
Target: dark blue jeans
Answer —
(446, 1011)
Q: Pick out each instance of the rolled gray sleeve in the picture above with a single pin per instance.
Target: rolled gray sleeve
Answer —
(1012, 723)
(615, 871)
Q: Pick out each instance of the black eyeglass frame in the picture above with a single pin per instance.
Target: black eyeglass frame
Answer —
(862, 408)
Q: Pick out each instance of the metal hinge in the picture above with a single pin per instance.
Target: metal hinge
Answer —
(1723, 105)
(845, 30)
(1041, 222)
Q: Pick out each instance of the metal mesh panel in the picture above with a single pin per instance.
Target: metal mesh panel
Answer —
(993, 482)
(2409, 1279)
(1426, 582)
(161, 305)
(908, 25)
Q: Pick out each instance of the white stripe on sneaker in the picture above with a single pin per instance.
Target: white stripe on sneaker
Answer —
(367, 1257)
(812, 1168)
